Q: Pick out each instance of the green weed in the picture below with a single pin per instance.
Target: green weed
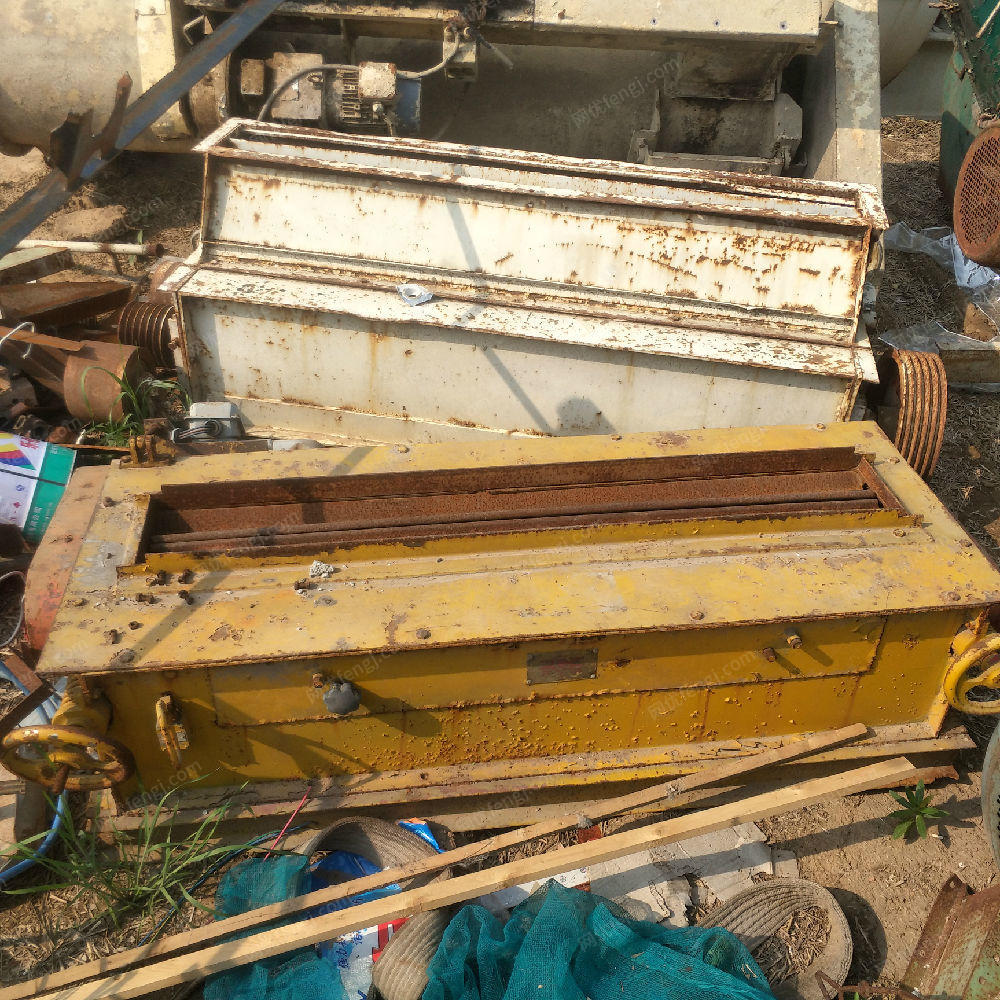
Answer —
(139, 402)
(129, 875)
(916, 812)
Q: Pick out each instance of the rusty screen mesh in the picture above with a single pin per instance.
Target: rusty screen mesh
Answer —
(977, 200)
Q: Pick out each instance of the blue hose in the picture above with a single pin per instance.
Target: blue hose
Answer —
(44, 712)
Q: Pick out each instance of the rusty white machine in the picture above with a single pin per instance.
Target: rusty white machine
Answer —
(363, 289)
(532, 621)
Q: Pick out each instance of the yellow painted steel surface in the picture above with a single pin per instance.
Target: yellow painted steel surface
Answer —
(566, 651)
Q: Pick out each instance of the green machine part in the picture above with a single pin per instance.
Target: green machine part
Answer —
(959, 122)
(972, 82)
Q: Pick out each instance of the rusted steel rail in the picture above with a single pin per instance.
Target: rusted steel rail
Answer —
(418, 506)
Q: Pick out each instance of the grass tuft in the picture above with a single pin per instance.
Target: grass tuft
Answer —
(915, 814)
(129, 875)
(139, 402)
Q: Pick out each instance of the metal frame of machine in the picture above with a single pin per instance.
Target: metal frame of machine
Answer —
(585, 75)
(756, 317)
(509, 618)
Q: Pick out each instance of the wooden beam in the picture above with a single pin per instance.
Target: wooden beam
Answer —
(666, 794)
(281, 940)
(480, 806)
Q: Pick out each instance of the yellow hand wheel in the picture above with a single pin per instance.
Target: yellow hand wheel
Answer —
(75, 759)
(975, 668)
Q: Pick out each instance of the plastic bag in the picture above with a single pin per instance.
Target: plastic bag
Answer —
(939, 243)
(354, 955)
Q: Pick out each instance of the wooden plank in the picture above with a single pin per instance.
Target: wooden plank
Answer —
(280, 940)
(29, 264)
(11, 787)
(665, 794)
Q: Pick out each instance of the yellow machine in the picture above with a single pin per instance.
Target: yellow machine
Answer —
(519, 617)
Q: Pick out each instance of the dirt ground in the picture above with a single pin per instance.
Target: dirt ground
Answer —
(886, 887)
(160, 195)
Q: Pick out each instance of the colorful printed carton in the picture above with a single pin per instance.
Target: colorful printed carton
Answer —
(33, 478)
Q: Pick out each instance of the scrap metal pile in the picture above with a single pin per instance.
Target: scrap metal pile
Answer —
(536, 476)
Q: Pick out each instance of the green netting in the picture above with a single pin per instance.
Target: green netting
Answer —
(565, 944)
(299, 975)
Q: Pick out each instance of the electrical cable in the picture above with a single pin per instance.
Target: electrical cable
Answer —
(210, 871)
(420, 74)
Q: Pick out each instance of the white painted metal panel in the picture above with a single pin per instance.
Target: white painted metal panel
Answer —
(795, 20)
(787, 258)
(569, 296)
(332, 362)
(356, 297)
(786, 275)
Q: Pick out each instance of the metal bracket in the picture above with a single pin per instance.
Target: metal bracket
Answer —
(170, 730)
(72, 143)
(38, 692)
(146, 451)
(460, 50)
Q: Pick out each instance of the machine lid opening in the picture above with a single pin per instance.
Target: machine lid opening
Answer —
(308, 516)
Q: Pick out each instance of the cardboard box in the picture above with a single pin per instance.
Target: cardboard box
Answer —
(33, 478)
